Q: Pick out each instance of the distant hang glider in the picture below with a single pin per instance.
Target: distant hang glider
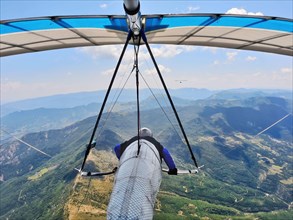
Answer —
(257, 33)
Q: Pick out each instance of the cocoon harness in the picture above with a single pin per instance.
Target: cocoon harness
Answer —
(137, 183)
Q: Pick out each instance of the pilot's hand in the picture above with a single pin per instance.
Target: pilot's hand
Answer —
(172, 171)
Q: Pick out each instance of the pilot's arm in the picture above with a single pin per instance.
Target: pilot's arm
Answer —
(170, 162)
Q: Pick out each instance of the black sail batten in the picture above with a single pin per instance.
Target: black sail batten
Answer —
(89, 146)
(169, 97)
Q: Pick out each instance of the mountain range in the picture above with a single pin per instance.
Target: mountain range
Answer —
(84, 98)
(62, 110)
(245, 175)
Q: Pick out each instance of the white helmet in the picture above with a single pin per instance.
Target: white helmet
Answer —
(145, 132)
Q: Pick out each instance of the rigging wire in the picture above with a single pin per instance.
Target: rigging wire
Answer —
(163, 96)
(160, 105)
(5, 140)
(272, 125)
(170, 99)
(114, 103)
(120, 92)
(8, 139)
(112, 107)
(255, 137)
(159, 90)
(27, 144)
(120, 83)
(227, 152)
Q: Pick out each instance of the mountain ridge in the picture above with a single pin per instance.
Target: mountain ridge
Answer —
(71, 100)
(243, 172)
(84, 98)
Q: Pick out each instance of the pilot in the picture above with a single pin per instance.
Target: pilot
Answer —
(146, 134)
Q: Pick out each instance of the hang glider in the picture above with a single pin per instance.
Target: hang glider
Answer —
(257, 33)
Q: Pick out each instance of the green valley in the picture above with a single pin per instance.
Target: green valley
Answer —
(244, 176)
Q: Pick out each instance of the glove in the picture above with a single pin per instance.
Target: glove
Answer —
(172, 171)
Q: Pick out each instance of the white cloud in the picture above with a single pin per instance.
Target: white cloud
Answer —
(23, 90)
(257, 74)
(111, 51)
(283, 76)
(213, 50)
(114, 51)
(191, 9)
(255, 13)
(124, 68)
(216, 62)
(242, 11)
(251, 58)
(168, 51)
(286, 70)
(11, 85)
(163, 69)
(103, 6)
(188, 48)
(108, 72)
(231, 56)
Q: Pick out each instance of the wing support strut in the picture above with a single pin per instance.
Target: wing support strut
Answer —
(90, 144)
(137, 92)
(168, 95)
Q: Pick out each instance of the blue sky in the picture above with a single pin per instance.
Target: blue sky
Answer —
(88, 69)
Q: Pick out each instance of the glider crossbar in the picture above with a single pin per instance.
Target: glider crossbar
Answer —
(169, 96)
(195, 171)
(89, 174)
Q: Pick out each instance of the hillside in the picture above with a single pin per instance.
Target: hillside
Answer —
(37, 115)
(242, 174)
(42, 119)
(72, 100)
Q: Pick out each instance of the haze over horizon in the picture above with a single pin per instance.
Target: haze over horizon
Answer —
(172, 91)
(89, 68)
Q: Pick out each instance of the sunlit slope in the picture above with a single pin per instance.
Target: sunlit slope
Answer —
(242, 173)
